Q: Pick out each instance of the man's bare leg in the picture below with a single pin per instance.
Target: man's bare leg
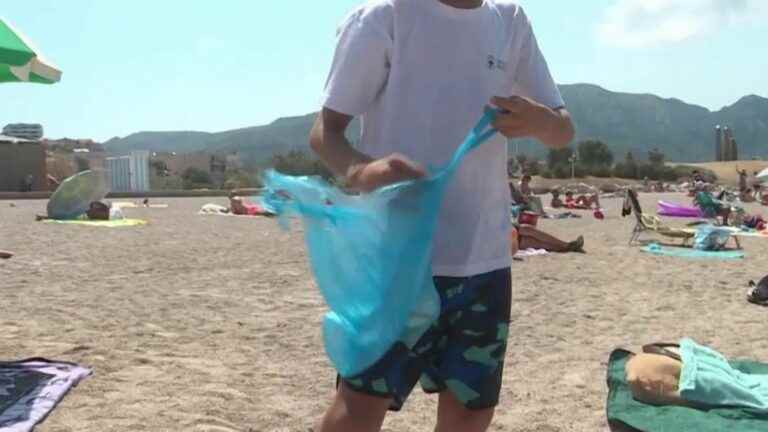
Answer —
(531, 238)
(353, 411)
(452, 416)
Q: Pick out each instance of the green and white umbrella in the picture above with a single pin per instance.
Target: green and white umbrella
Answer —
(20, 61)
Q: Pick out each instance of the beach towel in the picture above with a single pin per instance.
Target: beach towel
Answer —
(627, 414)
(530, 252)
(31, 389)
(219, 210)
(683, 252)
(709, 379)
(117, 223)
(132, 205)
(371, 254)
(566, 215)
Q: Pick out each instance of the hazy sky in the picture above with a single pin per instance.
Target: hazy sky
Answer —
(211, 66)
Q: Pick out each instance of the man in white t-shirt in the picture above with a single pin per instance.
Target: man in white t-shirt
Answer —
(420, 73)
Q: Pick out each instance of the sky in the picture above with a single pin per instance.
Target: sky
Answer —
(149, 65)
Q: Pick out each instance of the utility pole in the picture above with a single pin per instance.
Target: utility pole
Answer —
(572, 159)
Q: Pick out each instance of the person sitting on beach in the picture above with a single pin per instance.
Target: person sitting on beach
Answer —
(713, 207)
(98, 211)
(582, 202)
(528, 237)
(525, 186)
(556, 201)
(747, 196)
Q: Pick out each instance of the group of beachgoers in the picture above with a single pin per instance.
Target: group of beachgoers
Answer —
(750, 189)
(526, 236)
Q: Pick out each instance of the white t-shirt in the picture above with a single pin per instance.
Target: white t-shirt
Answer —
(419, 73)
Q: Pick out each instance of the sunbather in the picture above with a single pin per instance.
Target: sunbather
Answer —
(529, 237)
(582, 202)
(238, 206)
(527, 202)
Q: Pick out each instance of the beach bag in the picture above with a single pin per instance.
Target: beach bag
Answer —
(710, 238)
(654, 379)
(371, 255)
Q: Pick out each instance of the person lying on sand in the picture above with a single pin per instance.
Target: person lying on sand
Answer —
(582, 202)
(5, 254)
(238, 206)
(528, 237)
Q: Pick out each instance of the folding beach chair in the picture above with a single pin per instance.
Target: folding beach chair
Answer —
(649, 223)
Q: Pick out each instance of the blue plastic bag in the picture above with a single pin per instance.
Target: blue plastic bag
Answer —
(711, 238)
(371, 255)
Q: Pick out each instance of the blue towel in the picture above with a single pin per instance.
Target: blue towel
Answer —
(708, 378)
(681, 252)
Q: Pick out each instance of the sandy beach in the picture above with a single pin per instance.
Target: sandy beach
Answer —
(209, 323)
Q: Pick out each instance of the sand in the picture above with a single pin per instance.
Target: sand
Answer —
(208, 323)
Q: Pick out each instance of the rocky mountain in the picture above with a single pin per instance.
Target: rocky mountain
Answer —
(626, 122)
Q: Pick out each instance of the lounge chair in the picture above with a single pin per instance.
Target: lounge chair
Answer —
(650, 223)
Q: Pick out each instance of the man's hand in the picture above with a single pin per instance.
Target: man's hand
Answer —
(523, 118)
(392, 169)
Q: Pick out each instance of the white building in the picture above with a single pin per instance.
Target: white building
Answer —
(32, 132)
(129, 173)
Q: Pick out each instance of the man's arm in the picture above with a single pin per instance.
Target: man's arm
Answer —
(361, 171)
(524, 118)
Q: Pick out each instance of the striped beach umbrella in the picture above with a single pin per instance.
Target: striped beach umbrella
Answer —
(20, 61)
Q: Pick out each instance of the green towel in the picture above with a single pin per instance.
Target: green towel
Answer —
(708, 378)
(624, 410)
(683, 252)
(116, 223)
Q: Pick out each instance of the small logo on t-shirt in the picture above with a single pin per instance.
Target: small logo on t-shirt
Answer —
(496, 63)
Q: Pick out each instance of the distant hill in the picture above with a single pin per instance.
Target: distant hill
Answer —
(627, 122)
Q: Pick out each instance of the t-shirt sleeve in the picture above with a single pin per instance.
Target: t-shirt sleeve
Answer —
(532, 78)
(360, 65)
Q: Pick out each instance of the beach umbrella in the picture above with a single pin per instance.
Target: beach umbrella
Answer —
(75, 194)
(20, 61)
(763, 176)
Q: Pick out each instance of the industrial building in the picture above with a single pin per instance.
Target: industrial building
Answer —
(22, 165)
